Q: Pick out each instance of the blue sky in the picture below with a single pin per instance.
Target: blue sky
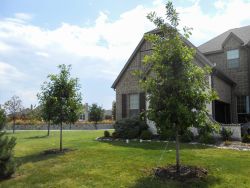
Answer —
(96, 37)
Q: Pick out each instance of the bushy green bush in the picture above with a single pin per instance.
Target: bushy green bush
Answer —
(167, 134)
(206, 139)
(187, 136)
(226, 134)
(205, 134)
(246, 138)
(114, 135)
(146, 135)
(129, 128)
(106, 134)
(7, 163)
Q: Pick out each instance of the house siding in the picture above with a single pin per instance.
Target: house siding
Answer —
(129, 83)
(241, 74)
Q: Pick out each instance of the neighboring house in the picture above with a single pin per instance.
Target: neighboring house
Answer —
(130, 98)
(230, 51)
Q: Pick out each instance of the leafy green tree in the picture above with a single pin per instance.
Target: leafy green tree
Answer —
(95, 114)
(178, 89)
(46, 101)
(2, 118)
(34, 112)
(62, 97)
(114, 110)
(13, 108)
(7, 163)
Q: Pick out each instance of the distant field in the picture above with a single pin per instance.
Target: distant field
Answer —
(117, 164)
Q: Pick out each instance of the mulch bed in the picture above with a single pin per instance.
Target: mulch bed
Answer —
(186, 173)
(57, 151)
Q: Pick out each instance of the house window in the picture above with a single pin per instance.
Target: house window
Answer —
(233, 58)
(133, 105)
(243, 109)
(241, 104)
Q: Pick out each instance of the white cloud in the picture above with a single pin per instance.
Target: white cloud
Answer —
(23, 16)
(42, 54)
(230, 14)
(4, 47)
(9, 74)
(98, 50)
(220, 4)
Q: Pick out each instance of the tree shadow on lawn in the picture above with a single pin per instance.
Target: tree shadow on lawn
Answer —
(41, 156)
(153, 182)
(37, 137)
(155, 145)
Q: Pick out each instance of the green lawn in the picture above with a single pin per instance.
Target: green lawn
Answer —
(117, 164)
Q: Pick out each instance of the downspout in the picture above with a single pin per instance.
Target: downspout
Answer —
(248, 61)
(213, 102)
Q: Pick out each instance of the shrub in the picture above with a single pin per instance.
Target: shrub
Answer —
(226, 134)
(167, 134)
(106, 134)
(7, 163)
(206, 139)
(114, 135)
(187, 136)
(146, 135)
(246, 138)
(129, 128)
(205, 134)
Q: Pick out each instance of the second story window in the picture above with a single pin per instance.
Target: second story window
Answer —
(233, 58)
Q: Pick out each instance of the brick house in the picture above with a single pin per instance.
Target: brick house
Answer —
(228, 54)
(230, 51)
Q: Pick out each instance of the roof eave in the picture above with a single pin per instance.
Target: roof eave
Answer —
(127, 63)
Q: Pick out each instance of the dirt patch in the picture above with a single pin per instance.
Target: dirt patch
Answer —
(57, 151)
(186, 173)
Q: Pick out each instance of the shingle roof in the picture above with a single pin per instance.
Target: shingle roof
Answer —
(199, 55)
(215, 44)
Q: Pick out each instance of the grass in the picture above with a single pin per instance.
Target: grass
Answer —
(117, 164)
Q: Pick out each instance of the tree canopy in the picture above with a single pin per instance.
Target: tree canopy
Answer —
(95, 113)
(13, 107)
(60, 98)
(178, 89)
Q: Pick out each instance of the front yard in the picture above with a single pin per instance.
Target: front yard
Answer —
(117, 164)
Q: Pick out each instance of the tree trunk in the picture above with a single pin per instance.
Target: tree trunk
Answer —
(61, 137)
(177, 144)
(14, 125)
(95, 124)
(70, 126)
(48, 128)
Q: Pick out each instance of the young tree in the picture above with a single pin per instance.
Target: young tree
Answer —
(13, 107)
(7, 163)
(178, 90)
(95, 114)
(114, 110)
(62, 96)
(46, 102)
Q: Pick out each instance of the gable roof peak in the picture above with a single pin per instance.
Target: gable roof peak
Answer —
(215, 44)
